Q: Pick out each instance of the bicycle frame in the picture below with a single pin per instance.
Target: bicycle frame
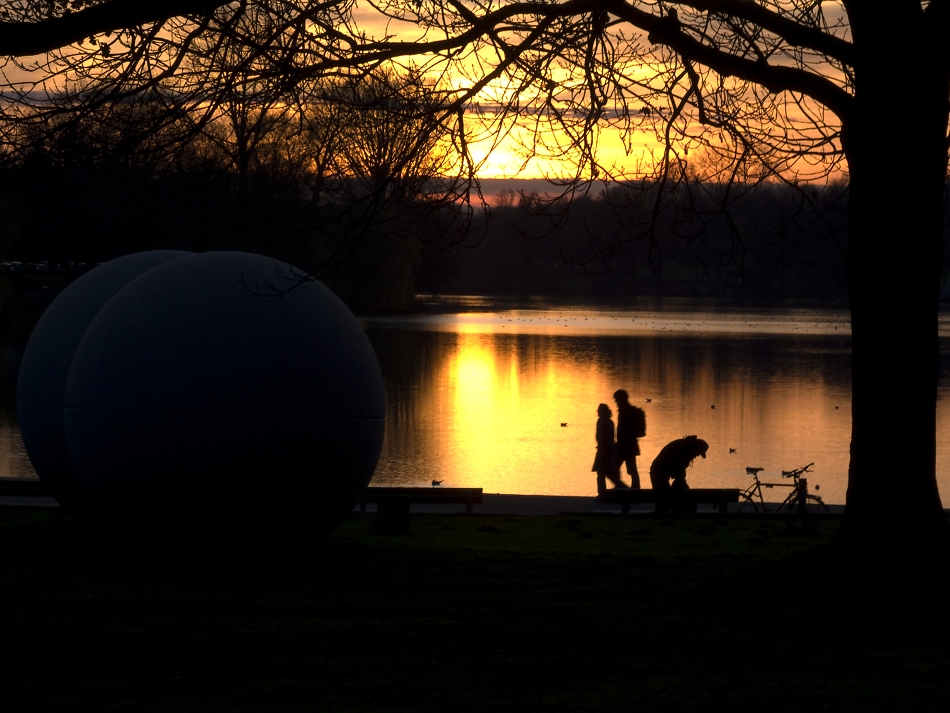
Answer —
(753, 494)
(798, 496)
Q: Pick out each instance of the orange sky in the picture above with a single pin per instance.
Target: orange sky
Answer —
(617, 154)
(508, 159)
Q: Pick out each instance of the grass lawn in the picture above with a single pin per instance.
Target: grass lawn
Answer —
(464, 613)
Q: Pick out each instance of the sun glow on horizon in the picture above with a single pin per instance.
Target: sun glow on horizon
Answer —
(526, 149)
(525, 145)
(514, 150)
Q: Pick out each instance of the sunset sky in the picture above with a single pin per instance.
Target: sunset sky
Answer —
(508, 159)
(618, 154)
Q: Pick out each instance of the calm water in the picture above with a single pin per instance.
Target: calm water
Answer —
(479, 399)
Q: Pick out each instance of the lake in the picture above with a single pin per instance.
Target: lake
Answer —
(480, 399)
(506, 399)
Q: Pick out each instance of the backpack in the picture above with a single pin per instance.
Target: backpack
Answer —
(639, 420)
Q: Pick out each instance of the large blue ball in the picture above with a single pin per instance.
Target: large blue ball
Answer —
(224, 388)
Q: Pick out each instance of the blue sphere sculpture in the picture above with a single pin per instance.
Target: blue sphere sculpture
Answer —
(223, 388)
(41, 384)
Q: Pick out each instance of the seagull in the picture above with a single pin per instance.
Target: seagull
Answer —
(649, 400)
(564, 424)
(713, 406)
(732, 450)
(437, 482)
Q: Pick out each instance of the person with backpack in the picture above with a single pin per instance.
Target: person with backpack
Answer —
(631, 425)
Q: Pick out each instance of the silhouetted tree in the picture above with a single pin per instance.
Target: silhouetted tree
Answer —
(385, 178)
(794, 89)
(370, 155)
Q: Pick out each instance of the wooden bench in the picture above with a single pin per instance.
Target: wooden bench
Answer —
(719, 497)
(23, 486)
(434, 495)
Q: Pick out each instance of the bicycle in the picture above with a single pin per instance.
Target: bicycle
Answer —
(799, 497)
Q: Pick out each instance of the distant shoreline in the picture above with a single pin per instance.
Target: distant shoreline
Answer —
(431, 303)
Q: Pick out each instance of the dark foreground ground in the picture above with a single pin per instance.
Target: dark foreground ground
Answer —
(464, 613)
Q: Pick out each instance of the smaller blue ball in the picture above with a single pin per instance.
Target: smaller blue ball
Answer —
(41, 385)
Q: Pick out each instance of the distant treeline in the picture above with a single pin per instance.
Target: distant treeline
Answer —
(360, 183)
(345, 180)
(763, 242)
(62, 215)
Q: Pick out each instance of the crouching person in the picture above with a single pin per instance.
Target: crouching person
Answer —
(668, 474)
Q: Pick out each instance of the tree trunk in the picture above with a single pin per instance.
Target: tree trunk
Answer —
(898, 168)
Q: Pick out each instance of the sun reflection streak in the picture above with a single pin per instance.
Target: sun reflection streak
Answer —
(516, 412)
(473, 379)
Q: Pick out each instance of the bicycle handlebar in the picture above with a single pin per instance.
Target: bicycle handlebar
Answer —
(798, 471)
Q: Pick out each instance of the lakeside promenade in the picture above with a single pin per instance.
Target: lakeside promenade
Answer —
(492, 504)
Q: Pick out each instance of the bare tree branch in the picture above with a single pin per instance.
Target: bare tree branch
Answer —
(792, 31)
(43, 34)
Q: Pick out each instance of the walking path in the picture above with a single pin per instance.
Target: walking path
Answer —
(502, 504)
(492, 504)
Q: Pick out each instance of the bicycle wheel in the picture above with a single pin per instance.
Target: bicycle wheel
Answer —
(791, 505)
(747, 500)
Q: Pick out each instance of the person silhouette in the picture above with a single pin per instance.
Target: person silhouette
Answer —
(605, 462)
(631, 425)
(668, 472)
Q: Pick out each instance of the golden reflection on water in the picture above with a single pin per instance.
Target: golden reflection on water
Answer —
(486, 408)
(508, 400)
(484, 403)
(479, 400)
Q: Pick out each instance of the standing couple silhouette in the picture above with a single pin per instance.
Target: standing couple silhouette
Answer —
(611, 454)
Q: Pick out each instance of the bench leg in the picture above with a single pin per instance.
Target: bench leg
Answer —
(392, 514)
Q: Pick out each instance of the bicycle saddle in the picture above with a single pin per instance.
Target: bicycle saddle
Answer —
(754, 471)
